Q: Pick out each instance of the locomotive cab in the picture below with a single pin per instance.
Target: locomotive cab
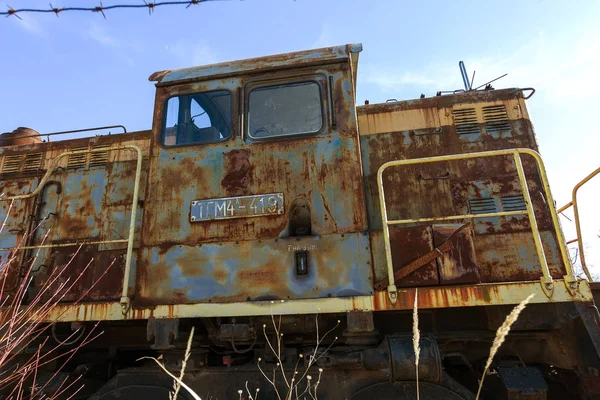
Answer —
(256, 183)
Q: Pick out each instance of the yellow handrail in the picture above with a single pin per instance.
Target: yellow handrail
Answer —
(546, 279)
(125, 300)
(579, 238)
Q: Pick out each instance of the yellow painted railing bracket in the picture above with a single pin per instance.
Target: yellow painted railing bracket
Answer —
(547, 286)
(392, 294)
(572, 284)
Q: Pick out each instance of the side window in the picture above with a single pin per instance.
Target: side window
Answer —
(198, 118)
(283, 110)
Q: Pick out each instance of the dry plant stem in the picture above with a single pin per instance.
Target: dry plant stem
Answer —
(73, 351)
(297, 376)
(20, 325)
(188, 352)
(47, 308)
(416, 338)
(10, 206)
(278, 354)
(186, 387)
(61, 390)
(501, 334)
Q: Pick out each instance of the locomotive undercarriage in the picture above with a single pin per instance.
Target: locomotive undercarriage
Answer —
(356, 355)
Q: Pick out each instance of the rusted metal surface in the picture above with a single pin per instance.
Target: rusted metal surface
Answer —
(420, 241)
(274, 62)
(426, 128)
(239, 259)
(254, 270)
(428, 297)
(20, 136)
(459, 264)
(87, 199)
(442, 102)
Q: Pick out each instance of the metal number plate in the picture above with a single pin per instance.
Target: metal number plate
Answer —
(236, 207)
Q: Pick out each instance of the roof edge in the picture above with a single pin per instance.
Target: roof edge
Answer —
(277, 61)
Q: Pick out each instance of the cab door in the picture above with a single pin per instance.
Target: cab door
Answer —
(255, 190)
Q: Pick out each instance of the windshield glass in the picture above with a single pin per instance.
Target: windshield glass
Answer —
(283, 110)
(198, 118)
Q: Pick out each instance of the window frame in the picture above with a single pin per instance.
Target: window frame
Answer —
(318, 79)
(165, 112)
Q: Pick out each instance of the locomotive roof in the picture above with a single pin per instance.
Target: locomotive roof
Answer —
(278, 61)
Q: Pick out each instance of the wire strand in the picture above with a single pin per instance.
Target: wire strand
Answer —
(149, 5)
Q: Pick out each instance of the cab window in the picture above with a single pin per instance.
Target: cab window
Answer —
(284, 110)
(198, 118)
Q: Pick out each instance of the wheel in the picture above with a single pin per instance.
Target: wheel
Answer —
(405, 390)
(139, 386)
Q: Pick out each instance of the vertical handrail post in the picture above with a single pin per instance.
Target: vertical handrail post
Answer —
(539, 247)
(392, 290)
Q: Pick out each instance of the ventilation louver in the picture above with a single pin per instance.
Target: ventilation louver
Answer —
(77, 160)
(33, 162)
(465, 120)
(483, 206)
(99, 158)
(11, 164)
(496, 119)
(513, 203)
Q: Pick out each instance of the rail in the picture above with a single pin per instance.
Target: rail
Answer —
(98, 128)
(579, 239)
(546, 279)
(125, 300)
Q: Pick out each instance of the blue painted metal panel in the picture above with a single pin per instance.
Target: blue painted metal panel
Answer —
(258, 270)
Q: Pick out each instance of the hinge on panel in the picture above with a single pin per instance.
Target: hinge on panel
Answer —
(571, 284)
(392, 294)
(547, 286)
(125, 304)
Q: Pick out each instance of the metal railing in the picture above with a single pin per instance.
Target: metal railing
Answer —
(546, 278)
(98, 128)
(125, 300)
(579, 238)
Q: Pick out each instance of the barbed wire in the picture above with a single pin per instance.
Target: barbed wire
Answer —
(150, 6)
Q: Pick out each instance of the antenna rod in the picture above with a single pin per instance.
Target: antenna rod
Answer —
(493, 80)
(465, 77)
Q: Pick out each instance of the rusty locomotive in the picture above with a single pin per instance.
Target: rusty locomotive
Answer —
(264, 207)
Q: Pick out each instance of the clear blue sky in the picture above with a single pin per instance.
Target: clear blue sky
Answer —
(80, 70)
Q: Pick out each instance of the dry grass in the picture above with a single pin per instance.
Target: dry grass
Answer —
(416, 339)
(299, 383)
(21, 326)
(501, 334)
(296, 389)
(178, 381)
(188, 352)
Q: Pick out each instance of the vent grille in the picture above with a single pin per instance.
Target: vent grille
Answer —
(12, 164)
(100, 158)
(496, 119)
(77, 160)
(33, 162)
(494, 113)
(483, 206)
(466, 121)
(513, 203)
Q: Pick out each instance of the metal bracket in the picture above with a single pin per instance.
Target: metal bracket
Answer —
(392, 294)
(547, 286)
(163, 331)
(571, 284)
(125, 304)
